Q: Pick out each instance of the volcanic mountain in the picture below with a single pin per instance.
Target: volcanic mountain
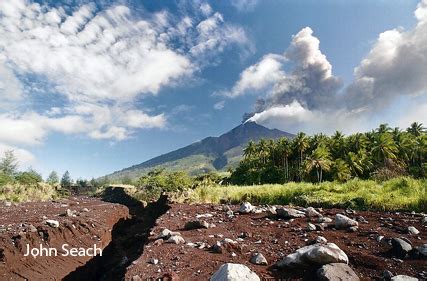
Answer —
(209, 154)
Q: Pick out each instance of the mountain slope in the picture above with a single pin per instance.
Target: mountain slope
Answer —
(209, 154)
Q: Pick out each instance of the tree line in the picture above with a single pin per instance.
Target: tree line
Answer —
(380, 154)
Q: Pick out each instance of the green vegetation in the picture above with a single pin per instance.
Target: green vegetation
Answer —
(22, 186)
(402, 193)
(381, 154)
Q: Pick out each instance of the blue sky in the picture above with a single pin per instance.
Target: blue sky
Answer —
(96, 87)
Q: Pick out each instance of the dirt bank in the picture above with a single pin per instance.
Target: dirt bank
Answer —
(90, 222)
(274, 238)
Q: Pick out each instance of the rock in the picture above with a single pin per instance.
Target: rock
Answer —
(362, 219)
(321, 240)
(69, 213)
(32, 228)
(343, 222)
(336, 272)
(424, 220)
(353, 229)
(403, 278)
(422, 250)
(311, 212)
(8, 204)
(175, 239)
(387, 275)
(86, 210)
(288, 213)
(324, 220)
(153, 261)
(52, 223)
(258, 258)
(379, 238)
(136, 278)
(313, 255)
(196, 225)
(311, 227)
(400, 247)
(412, 230)
(164, 234)
(246, 208)
(319, 226)
(234, 272)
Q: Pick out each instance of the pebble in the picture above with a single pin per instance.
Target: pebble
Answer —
(52, 223)
(258, 258)
(413, 231)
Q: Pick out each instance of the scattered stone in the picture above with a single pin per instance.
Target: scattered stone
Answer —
(175, 239)
(312, 255)
(311, 227)
(153, 261)
(343, 222)
(353, 229)
(258, 258)
(69, 213)
(422, 250)
(288, 213)
(246, 208)
(52, 223)
(164, 234)
(336, 271)
(311, 212)
(387, 275)
(234, 272)
(400, 247)
(321, 240)
(32, 228)
(413, 231)
(324, 220)
(196, 225)
(403, 278)
(379, 238)
(319, 226)
(362, 219)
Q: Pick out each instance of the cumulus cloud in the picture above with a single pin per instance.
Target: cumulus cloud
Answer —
(310, 98)
(219, 105)
(96, 61)
(396, 65)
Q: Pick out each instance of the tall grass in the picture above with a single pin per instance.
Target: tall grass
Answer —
(403, 193)
(21, 193)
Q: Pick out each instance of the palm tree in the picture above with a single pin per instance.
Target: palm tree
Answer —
(383, 128)
(249, 150)
(285, 149)
(416, 129)
(338, 145)
(300, 143)
(384, 147)
(319, 160)
(341, 171)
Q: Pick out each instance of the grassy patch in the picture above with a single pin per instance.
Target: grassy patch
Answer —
(397, 194)
(17, 192)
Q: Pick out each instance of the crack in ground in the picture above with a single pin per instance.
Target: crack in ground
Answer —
(129, 236)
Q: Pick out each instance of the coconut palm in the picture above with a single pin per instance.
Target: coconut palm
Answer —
(384, 147)
(416, 129)
(319, 160)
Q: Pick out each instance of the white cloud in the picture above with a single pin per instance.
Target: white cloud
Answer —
(259, 76)
(100, 60)
(395, 66)
(219, 105)
(24, 157)
(244, 5)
